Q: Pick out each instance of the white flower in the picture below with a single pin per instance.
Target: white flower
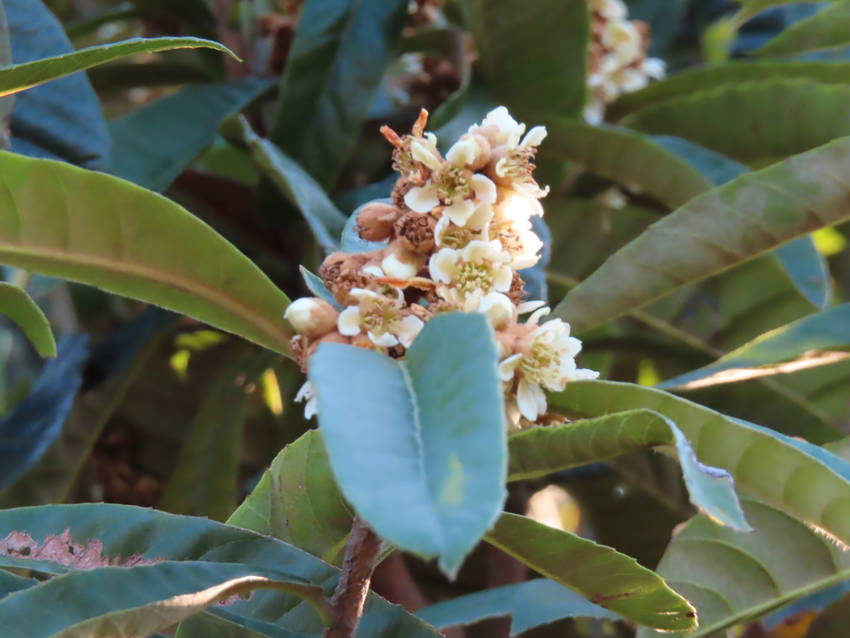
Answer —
(624, 42)
(468, 274)
(447, 233)
(511, 226)
(610, 9)
(382, 319)
(498, 309)
(547, 361)
(311, 316)
(400, 265)
(307, 393)
(451, 183)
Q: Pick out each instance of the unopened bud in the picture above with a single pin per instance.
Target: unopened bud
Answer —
(375, 221)
(311, 316)
(400, 264)
(415, 232)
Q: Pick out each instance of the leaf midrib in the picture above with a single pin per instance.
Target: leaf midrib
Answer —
(167, 278)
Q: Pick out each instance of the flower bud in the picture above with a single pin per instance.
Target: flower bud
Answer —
(375, 221)
(415, 232)
(311, 316)
(400, 264)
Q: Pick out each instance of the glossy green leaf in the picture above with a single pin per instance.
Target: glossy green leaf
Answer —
(206, 478)
(801, 260)
(540, 451)
(340, 53)
(67, 222)
(434, 422)
(10, 583)
(298, 501)
(141, 600)
(542, 44)
(324, 218)
(799, 478)
(529, 604)
(627, 157)
(5, 60)
(153, 144)
(739, 120)
(732, 576)
(690, 81)
(828, 28)
(62, 119)
(728, 225)
(116, 535)
(636, 593)
(16, 304)
(20, 77)
(815, 340)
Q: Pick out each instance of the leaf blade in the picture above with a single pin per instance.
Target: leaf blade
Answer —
(18, 306)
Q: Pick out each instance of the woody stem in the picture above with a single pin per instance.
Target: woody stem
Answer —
(361, 557)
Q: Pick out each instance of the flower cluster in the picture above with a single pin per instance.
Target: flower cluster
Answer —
(617, 60)
(456, 233)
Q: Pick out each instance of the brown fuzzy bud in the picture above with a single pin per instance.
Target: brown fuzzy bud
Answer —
(331, 337)
(517, 291)
(311, 316)
(343, 271)
(401, 188)
(300, 351)
(375, 221)
(415, 232)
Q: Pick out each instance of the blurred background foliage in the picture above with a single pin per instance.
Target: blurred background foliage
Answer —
(156, 410)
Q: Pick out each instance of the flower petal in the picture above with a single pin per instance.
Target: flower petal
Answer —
(386, 340)
(463, 153)
(396, 266)
(497, 308)
(534, 137)
(485, 189)
(507, 368)
(349, 321)
(443, 265)
(422, 199)
(459, 211)
(526, 399)
(408, 328)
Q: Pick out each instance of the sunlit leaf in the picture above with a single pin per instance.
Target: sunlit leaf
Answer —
(799, 478)
(732, 576)
(815, 340)
(540, 451)
(20, 77)
(828, 28)
(585, 567)
(16, 304)
(714, 231)
(67, 222)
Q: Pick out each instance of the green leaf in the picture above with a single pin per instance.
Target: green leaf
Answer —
(152, 145)
(67, 222)
(752, 7)
(325, 219)
(141, 600)
(10, 583)
(123, 535)
(716, 76)
(799, 478)
(540, 451)
(340, 53)
(434, 422)
(298, 501)
(530, 604)
(635, 593)
(19, 77)
(628, 158)
(17, 305)
(732, 576)
(723, 227)
(827, 29)
(815, 340)
(205, 479)
(541, 44)
(803, 263)
(735, 119)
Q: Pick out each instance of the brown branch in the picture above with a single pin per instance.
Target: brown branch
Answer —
(361, 556)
